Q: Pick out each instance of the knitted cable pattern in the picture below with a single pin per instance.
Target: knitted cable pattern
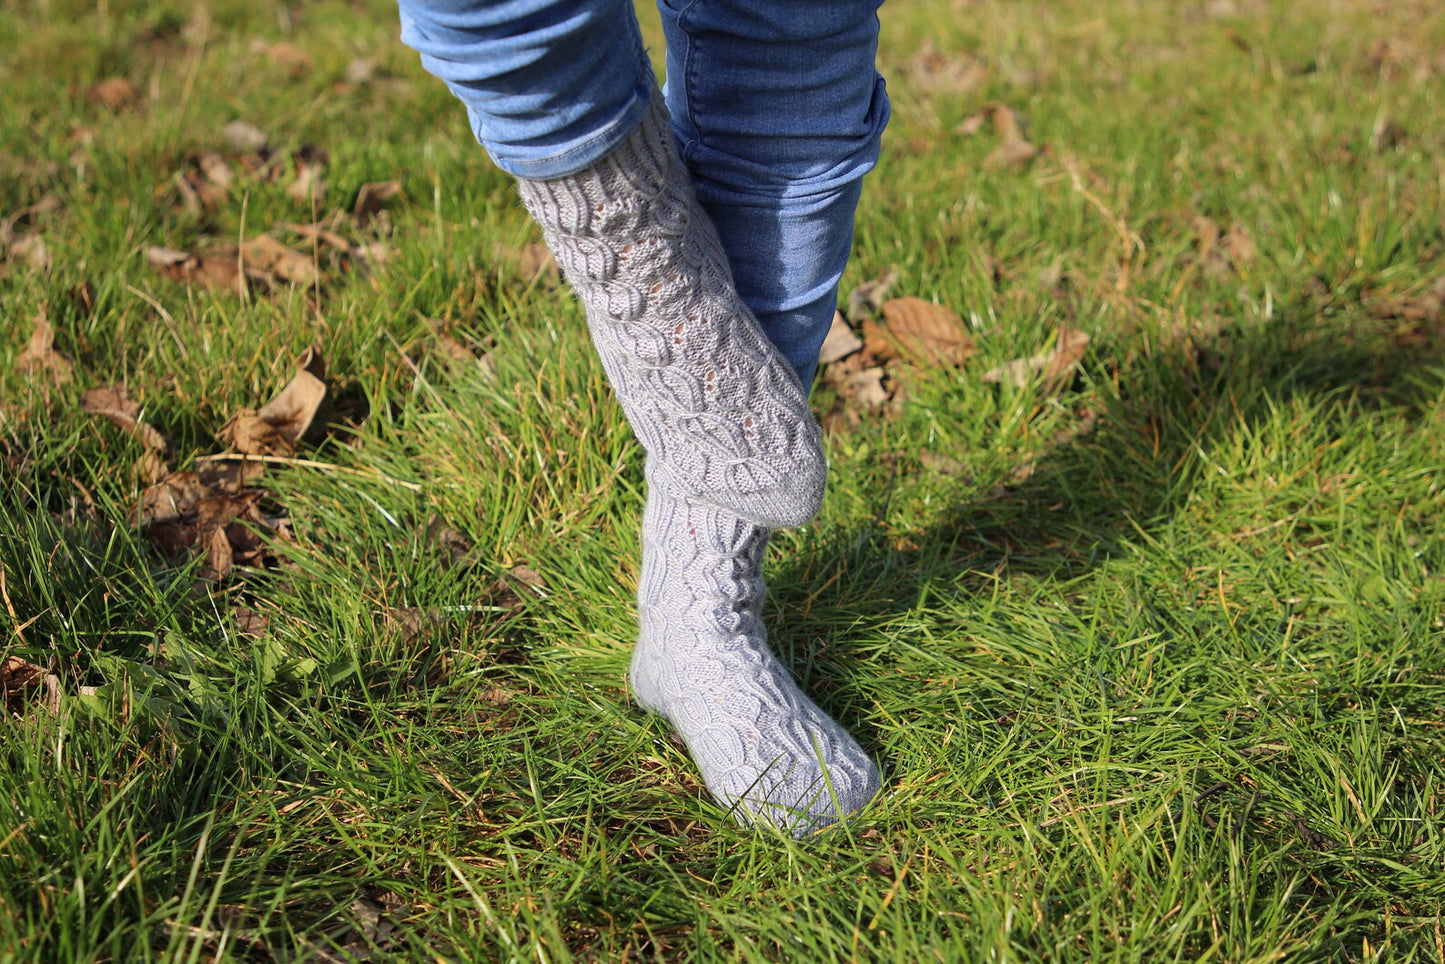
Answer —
(702, 661)
(709, 397)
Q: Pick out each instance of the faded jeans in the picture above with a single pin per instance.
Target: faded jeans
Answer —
(777, 108)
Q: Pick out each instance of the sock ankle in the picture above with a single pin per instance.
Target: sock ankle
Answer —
(702, 660)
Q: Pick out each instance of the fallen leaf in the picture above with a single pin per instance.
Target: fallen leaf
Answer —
(868, 297)
(30, 249)
(1052, 367)
(111, 403)
(265, 254)
(40, 354)
(1240, 245)
(1216, 252)
(285, 55)
(151, 468)
(458, 547)
(251, 623)
(173, 496)
(23, 686)
(113, 93)
(840, 341)
(28, 216)
(935, 72)
(1014, 148)
(372, 197)
(83, 296)
(212, 270)
(1426, 307)
(244, 137)
(360, 70)
(927, 334)
(219, 558)
(307, 187)
(1010, 154)
(879, 348)
(277, 428)
(320, 235)
(215, 168)
(972, 124)
(530, 578)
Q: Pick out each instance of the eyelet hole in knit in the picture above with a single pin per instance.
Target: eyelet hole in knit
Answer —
(710, 382)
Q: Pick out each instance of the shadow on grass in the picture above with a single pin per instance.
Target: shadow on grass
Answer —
(1124, 472)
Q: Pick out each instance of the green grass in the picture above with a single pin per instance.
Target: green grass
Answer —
(1155, 665)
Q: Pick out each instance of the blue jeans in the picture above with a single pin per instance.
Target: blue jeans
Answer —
(776, 104)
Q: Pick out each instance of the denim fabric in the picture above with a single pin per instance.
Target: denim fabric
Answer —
(777, 108)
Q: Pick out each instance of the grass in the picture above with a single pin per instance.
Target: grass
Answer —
(1155, 663)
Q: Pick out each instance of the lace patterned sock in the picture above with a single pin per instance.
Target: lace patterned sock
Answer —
(702, 660)
(709, 397)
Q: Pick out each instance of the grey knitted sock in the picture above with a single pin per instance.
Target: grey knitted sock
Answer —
(702, 660)
(708, 395)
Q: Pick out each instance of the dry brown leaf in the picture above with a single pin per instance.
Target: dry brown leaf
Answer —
(111, 403)
(371, 198)
(867, 299)
(1216, 251)
(1426, 307)
(27, 216)
(938, 73)
(150, 468)
(83, 295)
(219, 557)
(265, 254)
(840, 341)
(285, 55)
(320, 235)
(212, 270)
(1014, 147)
(222, 527)
(529, 578)
(307, 187)
(251, 623)
(361, 70)
(40, 354)
(25, 686)
(879, 348)
(1010, 154)
(229, 475)
(927, 334)
(175, 495)
(864, 389)
(244, 137)
(215, 169)
(113, 93)
(30, 250)
(1387, 135)
(277, 428)
(1006, 123)
(1240, 245)
(1052, 367)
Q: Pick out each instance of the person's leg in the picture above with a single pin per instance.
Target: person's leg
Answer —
(731, 444)
(779, 109)
(550, 86)
(709, 397)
